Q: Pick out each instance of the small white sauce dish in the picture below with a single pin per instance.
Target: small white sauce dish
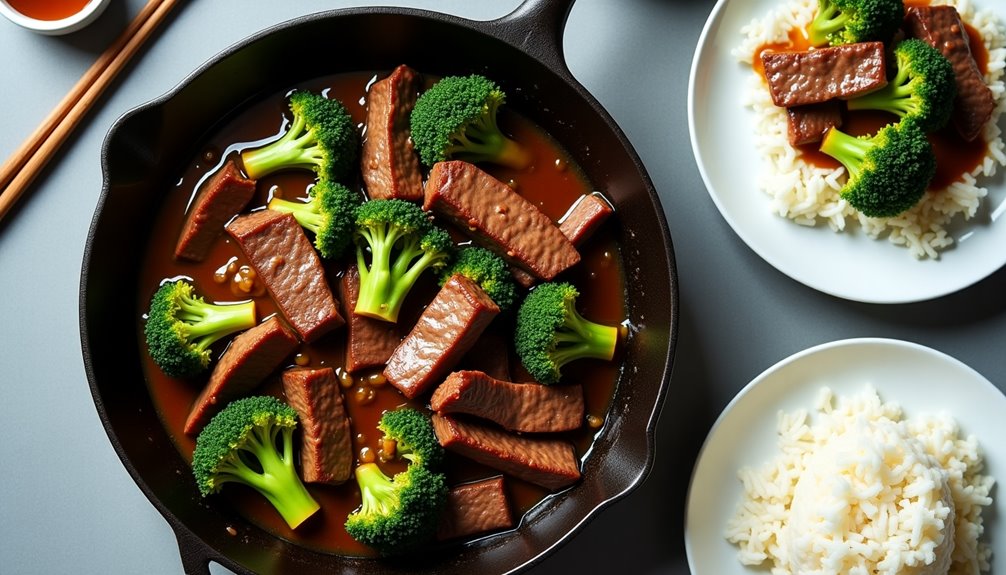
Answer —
(89, 13)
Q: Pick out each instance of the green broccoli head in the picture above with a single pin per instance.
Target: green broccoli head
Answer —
(321, 137)
(486, 269)
(251, 442)
(456, 119)
(181, 326)
(402, 243)
(329, 213)
(889, 172)
(550, 332)
(397, 514)
(923, 88)
(412, 432)
(850, 21)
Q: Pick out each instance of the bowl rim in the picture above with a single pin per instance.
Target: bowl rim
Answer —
(72, 23)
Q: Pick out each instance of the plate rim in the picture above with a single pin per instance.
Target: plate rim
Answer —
(803, 355)
(771, 254)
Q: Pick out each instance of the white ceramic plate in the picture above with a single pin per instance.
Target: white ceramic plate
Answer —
(918, 378)
(847, 265)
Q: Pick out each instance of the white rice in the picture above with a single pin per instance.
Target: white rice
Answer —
(859, 489)
(808, 195)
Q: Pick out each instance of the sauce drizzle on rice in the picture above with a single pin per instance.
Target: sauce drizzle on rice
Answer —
(857, 488)
(803, 183)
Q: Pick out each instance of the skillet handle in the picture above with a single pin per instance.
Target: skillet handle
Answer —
(536, 27)
(195, 560)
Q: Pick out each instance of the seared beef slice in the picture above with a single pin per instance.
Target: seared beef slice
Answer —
(369, 342)
(525, 407)
(476, 507)
(326, 448)
(798, 78)
(550, 463)
(808, 124)
(276, 246)
(446, 330)
(498, 218)
(388, 162)
(942, 28)
(584, 217)
(218, 200)
(247, 361)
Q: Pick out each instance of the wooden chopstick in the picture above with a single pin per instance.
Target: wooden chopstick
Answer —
(21, 168)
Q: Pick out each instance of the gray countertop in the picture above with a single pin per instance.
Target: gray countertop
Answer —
(67, 502)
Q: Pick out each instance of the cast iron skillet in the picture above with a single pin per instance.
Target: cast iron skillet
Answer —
(147, 149)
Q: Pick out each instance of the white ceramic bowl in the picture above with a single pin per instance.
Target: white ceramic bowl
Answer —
(89, 13)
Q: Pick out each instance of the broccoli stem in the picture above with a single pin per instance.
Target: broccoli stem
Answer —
(206, 323)
(295, 147)
(483, 138)
(827, 21)
(304, 213)
(848, 150)
(583, 338)
(377, 281)
(278, 481)
(895, 97)
(379, 495)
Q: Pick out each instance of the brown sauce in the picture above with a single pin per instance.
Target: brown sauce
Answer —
(48, 9)
(955, 156)
(553, 183)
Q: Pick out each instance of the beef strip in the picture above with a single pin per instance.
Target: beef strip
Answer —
(581, 220)
(809, 123)
(282, 256)
(388, 162)
(219, 199)
(524, 407)
(369, 342)
(249, 359)
(942, 28)
(846, 71)
(523, 278)
(445, 331)
(326, 447)
(498, 218)
(584, 217)
(475, 507)
(550, 463)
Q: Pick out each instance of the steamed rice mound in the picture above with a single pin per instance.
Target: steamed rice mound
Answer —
(861, 490)
(808, 195)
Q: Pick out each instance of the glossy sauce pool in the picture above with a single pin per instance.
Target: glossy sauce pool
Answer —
(48, 9)
(553, 183)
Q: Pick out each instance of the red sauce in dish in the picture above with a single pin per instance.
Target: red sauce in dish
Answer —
(553, 183)
(48, 9)
(955, 156)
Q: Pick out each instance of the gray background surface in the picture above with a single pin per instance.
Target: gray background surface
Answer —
(68, 505)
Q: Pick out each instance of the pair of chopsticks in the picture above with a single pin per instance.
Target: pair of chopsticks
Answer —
(21, 168)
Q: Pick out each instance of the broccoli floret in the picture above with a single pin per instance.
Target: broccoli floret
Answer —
(923, 88)
(321, 137)
(329, 212)
(397, 514)
(251, 442)
(550, 332)
(413, 436)
(403, 243)
(850, 21)
(486, 269)
(181, 326)
(456, 119)
(887, 173)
